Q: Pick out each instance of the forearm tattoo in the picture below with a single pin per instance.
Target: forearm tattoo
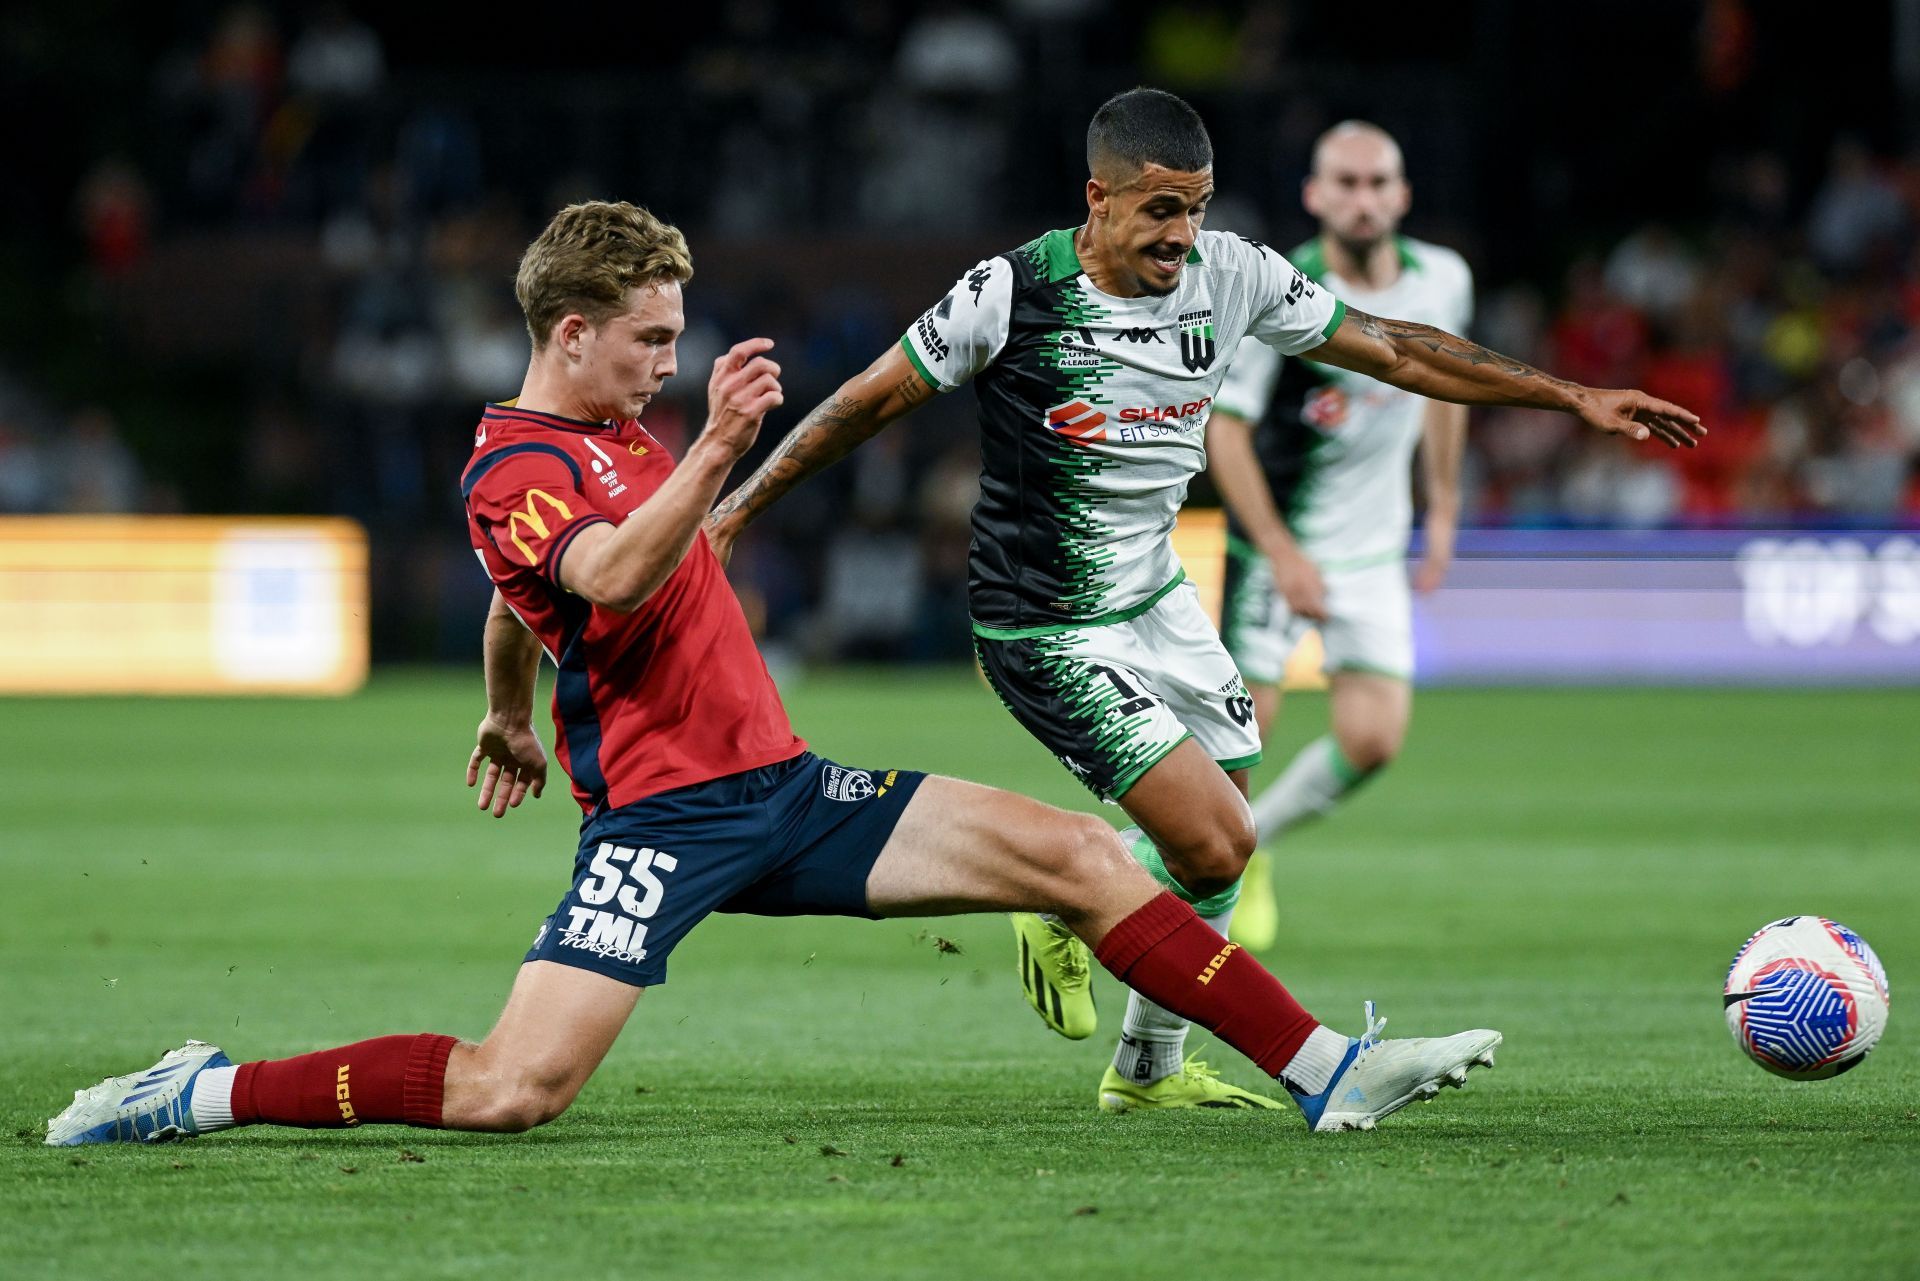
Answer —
(825, 436)
(1440, 342)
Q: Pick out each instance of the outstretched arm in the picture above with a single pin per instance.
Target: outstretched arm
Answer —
(1444, 366)
(888, 389)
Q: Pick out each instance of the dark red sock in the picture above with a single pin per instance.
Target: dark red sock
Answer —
(388, 1079)
(1170, 956)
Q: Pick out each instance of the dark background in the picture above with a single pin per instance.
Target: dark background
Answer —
(258, 258)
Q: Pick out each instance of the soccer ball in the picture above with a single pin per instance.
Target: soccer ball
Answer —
(1806, 998)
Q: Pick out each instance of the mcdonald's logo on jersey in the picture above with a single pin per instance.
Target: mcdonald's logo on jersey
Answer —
(531, 518)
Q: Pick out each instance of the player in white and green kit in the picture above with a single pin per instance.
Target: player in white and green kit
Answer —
(1096, 353)
(1313, 462)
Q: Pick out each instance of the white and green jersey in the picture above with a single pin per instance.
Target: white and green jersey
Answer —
(1093, 414)
(1337, 446)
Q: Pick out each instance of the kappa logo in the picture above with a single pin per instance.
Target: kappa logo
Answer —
(531, 518)
(1196, 340)
(1079, 422)
(846, 784)
(977, 281)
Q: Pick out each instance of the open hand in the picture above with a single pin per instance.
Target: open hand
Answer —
(516, 764)
(1636, 415)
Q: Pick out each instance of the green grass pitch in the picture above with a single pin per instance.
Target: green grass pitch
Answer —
(838, 1099)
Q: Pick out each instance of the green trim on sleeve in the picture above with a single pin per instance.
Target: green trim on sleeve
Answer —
(1333, 321)
(906, 345)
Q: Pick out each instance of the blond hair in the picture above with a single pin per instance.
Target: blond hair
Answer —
(587, 259)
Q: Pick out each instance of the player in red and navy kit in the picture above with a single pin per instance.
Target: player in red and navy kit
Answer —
(697, 795)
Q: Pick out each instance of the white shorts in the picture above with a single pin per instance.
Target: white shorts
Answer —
(1369, 625)
(1111, 700)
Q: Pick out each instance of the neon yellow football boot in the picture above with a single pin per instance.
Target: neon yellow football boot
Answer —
(1195, 1085)
(1256, 920)
(1056, 972)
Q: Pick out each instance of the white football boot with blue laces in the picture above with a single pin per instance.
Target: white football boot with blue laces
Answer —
(146, 1107)
(1378, 1078)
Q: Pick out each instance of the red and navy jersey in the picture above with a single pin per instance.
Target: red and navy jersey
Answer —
(670, 695)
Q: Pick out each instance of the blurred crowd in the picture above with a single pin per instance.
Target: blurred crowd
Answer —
(1792, 329)
(299, 209)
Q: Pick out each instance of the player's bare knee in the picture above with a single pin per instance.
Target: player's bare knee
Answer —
(522, 1104)
(1212, 862)
(1091, 854)
(1373, 749)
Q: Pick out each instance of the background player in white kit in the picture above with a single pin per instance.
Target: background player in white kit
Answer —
(1313, 464)
(1095, 353)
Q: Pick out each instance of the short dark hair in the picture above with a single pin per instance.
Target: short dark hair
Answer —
(1144, 127)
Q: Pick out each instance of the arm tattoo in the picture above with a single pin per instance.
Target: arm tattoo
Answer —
(912, 389)
(823, 437)
(1443, 343)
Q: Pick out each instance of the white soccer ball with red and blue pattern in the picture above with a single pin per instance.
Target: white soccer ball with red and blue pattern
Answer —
(1806, 998)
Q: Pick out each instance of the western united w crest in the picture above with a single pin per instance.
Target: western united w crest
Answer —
(1196, 340)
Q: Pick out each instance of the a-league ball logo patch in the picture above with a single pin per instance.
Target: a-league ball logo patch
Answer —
(846, 784)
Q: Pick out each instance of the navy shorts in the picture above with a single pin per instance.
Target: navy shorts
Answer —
(793, 839)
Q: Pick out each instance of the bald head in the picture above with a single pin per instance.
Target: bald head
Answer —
(1358, 144)
(1358, 188)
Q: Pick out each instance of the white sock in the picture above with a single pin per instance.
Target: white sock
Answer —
(1153, 1040)
(1310, 786)
(213, 1099)
(1311, 1068)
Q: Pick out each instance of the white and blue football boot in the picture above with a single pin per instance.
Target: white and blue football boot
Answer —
(1378, 1078)
(146, 1107)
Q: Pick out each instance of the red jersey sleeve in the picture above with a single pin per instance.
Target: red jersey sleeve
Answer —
(527, 501)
